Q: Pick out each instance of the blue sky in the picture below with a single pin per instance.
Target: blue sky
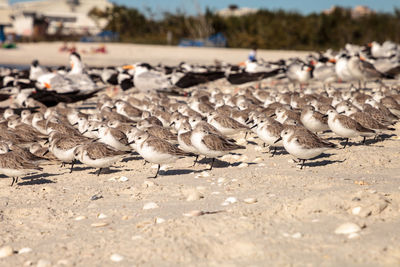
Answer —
(303, 6)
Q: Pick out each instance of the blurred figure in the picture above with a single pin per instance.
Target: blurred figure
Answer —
(64, 47)
(253, 54)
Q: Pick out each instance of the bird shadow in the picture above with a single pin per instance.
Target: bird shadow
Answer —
(380, 138)
(251, 143)
(39, 176)
(127, 159)
(36, 179)
(222, 164)
(36, 182)
(78, 169)
(176, 172)
(324, 162)
(279, 151)
(335, 138)
(238, 163)
(324, 155)
(105, 171)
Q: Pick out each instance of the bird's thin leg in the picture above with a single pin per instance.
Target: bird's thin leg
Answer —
(13, 181)
(245, 136)
(62, 165)
(98, 173)
(158, 169)
(72, 166)
(347, 141)
(145, 161)
(212, 163)
(302, 164)
(363, 141)
(273, 152)
(195, 161)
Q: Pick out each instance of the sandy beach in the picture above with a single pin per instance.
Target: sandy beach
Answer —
(119, 54)
(250, 210)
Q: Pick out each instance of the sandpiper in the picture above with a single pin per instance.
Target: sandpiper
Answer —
(97, 155)
(156, 150)
(63, 146)
(128, 110)
(269, 131)
(346, 127)
(313, 120)
(184, 140)
(304, 145)
(113, 137)
(15, 166)
(226, 125)
(211, 145)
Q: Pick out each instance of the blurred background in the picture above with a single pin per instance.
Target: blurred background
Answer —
(286, 24)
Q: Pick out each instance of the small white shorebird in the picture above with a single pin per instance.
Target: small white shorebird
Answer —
(226, 125)
(97, 155)
(303, 144)
(13, 165)
(268, 130)
(211, 145)
(156, 150)
(346, 127)
(63, 146)
(184, 140)
(113, 137)
(313, 120)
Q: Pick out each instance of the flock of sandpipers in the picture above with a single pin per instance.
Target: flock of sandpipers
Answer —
(165, 124)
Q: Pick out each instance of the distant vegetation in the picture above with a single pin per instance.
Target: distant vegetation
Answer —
(264, 29)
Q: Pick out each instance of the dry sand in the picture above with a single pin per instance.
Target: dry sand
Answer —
(290, 221)
(118, 54)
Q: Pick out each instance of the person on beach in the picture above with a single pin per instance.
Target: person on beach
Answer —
(253, 54)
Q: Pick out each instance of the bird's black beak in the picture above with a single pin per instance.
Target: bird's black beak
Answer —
(75, 124)
(172, 123)
(277, 140)
(47, 141)
(47, 151)
(95, 130)
(132, 142)
(249, 121)
(325, 116)
(342, 112)
(273, 115)
(254, 126)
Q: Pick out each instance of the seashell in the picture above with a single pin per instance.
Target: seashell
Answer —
(24, 250)
(193, 213)
(100, 224)
(250, 200)
(347, 228)
(101, 216)
(150, 205)
(80, 218)
(159, 220)
(6, 251)
(123, 179)
(116, 257)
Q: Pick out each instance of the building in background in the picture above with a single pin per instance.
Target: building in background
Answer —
(35, 19)
(236, 11)
(5, 19)
(356, 12)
